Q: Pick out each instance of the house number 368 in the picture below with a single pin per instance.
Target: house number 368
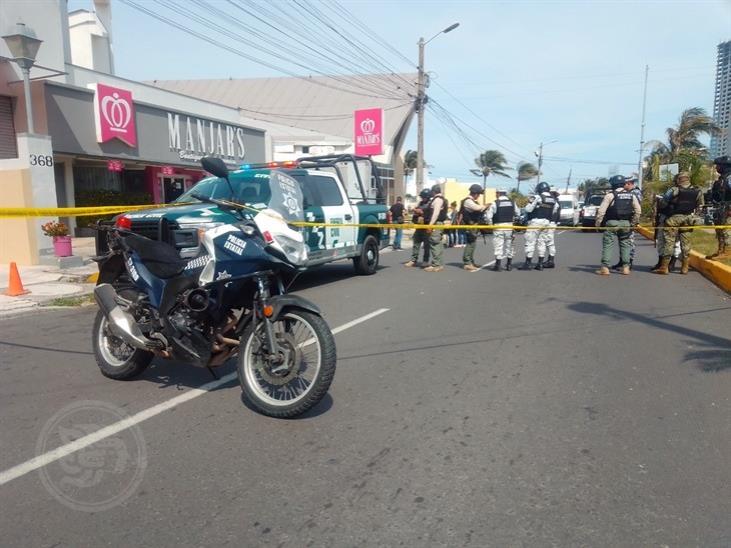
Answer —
(38, 160)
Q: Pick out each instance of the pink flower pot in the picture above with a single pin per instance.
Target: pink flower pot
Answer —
(62, 246)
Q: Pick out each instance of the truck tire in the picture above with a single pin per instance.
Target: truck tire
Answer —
(367, 263)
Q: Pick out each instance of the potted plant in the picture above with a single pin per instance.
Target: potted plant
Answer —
(61, 239)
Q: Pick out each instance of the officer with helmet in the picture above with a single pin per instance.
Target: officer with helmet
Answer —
(551, 232)
(678, 204)
(631, 181)
(502, 212)
(619, 211)
(721, 198)
(471, 213)
(420, 238)
(438, 207)
(540, 210)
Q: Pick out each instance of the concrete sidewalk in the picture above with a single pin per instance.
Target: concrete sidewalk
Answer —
(47, 283)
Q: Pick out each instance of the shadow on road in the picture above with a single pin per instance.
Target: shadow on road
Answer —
(326, 274)
(714, 354)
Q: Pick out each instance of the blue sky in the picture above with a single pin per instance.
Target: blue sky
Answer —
(533, 71)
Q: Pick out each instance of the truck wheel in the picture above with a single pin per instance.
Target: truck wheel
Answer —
(366, 264)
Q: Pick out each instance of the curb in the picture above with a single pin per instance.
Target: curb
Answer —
(718, 273)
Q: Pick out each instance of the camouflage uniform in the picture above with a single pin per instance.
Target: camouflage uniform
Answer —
(721, 197)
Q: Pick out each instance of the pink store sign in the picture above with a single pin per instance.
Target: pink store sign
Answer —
(369, 132)
(114, 114)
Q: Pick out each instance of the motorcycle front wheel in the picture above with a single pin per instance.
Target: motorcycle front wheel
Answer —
(302, 373)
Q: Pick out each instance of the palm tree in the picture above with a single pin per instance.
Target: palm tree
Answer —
(692, 123)
(490, 162)
(526, 171)
(410, 162)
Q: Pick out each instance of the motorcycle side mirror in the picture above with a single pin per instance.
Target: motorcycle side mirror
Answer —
(215, 166)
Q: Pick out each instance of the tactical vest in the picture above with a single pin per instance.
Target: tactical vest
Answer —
(621, 207)
(504, 212)
(685, 202)
(423, 206)
(545, 210)
(469, 217)
(442, 215)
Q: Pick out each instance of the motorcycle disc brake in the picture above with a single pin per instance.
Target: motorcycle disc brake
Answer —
(292, 354)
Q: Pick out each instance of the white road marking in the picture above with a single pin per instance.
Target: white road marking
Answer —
(90, 439)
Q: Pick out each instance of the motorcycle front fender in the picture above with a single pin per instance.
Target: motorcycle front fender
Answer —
(282, 303)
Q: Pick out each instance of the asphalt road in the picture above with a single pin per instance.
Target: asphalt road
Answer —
(554, 408)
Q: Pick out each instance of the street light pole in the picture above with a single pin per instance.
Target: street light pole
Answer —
(28, 103)
(420, 120)
(23, 45)
(421, 107)
(642, 130)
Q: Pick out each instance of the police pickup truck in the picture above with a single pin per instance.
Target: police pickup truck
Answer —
(338, 189)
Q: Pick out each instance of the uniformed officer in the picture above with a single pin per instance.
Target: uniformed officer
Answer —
(679, 205)
(438, 208)
(540, 210)
(619, 211)
(471, 213)
(502, 211)
(721, 197)
(632, 181)
(420, 237)
(551, 232)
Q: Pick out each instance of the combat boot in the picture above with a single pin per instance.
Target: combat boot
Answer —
(508, 264)
(720, 251)
(723, 253)
(527, 265)
(662, 268)
(658, 263)
(550, 262)
(410, 264)
(603, 271)
(625, 269)
(672, 263)
(618, 266)
(684, 265)
(539, 266)
(496, 267)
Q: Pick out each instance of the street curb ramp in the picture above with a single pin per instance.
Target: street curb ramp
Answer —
(718, 273)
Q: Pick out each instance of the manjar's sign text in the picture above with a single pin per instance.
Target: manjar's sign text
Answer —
(368, 132)
(193, 138)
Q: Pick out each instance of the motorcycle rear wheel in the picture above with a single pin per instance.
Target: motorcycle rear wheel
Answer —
(305, 376)
(116, 359)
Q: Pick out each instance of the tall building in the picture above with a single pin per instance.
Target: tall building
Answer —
(721, 144)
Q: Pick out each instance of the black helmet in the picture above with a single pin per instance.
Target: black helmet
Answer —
(436, 189)
(723, 163)
(617, 181)
(542, 187)
(426, 193)
(476, 189)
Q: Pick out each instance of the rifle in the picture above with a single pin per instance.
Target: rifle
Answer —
(657, 218)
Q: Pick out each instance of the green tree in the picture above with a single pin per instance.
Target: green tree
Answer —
(526, 171)
(411, 159)
(490, 162)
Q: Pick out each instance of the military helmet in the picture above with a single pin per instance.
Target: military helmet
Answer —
(502, 190)
(476, 189)
(617, 181)
(542, 187)
(436, 189)
(723, 164)
(426, 193)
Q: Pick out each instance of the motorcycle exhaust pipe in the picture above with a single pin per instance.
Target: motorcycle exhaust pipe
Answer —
(121, 323)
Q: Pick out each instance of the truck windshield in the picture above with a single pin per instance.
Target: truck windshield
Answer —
(566, 204)
(249, 188)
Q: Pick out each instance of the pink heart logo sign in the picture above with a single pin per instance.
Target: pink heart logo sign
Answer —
(114, 114)
(369, 132)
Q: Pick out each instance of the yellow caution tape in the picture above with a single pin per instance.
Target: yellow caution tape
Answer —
(17, 212)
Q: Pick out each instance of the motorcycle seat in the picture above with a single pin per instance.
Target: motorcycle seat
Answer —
(161, 259)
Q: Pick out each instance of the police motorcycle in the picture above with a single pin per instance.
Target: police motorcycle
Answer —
(230, 301)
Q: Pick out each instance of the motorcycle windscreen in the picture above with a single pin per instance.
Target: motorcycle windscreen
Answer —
(285, 206)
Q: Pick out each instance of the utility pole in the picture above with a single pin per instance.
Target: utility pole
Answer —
(568, 180)
(540, 162)
(420, 104)
(642, 130)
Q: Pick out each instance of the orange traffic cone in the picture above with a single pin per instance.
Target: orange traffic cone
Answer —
(15, 286)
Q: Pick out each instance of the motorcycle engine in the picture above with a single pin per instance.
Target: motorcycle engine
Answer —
(192, 339)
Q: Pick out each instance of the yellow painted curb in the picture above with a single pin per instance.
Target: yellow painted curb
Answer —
(718, 273)
(92, 278)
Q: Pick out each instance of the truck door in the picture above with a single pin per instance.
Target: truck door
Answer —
(327, 203)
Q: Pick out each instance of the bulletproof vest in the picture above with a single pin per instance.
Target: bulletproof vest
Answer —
(685, 201)
(469, 217)
(423, 206)
(442, 216)
(545, 210)
(721, 190)
(621, 207)
(504, 211)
